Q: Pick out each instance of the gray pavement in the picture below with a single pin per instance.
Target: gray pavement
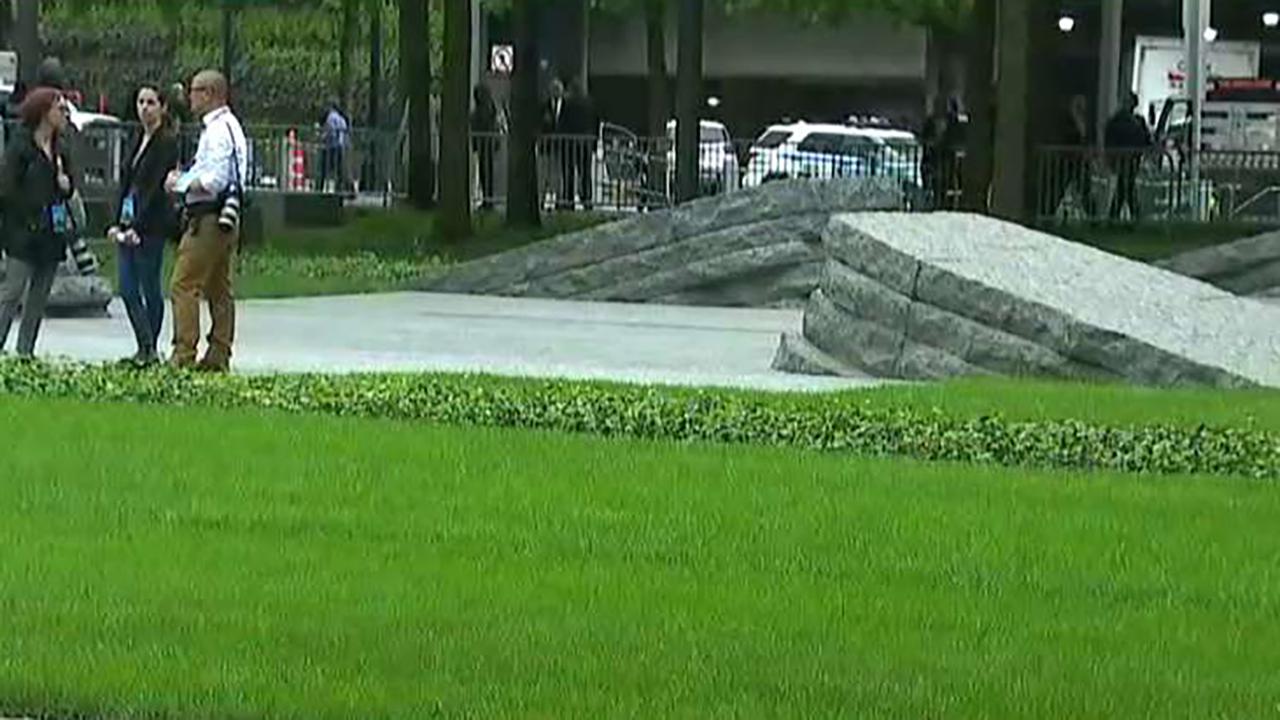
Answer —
(505, 336)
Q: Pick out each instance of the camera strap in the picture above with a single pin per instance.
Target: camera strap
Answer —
(237, 185)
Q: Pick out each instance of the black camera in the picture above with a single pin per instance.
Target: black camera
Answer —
(229, 218)
(86, 262)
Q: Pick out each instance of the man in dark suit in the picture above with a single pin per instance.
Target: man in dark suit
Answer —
(553, 145)
(578, 120)
(1127, 139)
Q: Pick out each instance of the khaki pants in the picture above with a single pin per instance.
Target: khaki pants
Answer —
(206, 258)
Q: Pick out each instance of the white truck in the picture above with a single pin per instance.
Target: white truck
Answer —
(1160, 69)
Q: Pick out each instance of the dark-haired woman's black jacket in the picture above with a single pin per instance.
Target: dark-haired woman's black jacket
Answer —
(155, 218)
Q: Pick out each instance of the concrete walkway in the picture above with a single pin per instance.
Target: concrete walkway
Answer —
(456, 333)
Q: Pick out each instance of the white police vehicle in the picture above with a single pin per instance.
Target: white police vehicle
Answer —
(718, 169)
(828, 150)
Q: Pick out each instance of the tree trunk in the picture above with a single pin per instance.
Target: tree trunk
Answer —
(228, 41)
(375, 63)
(522, 169)
(346, 48)
(659, 96)
(6, 23)
(688, 99)
(415, 78)
(656, 51)
(980, 98)
(1009, 179)
(1044, 104)
(27, 35)
(455, 138)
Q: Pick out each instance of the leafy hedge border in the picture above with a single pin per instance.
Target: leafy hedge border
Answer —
(848, 423)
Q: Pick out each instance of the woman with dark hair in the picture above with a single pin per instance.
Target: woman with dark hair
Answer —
(145, 219)
(36, 184)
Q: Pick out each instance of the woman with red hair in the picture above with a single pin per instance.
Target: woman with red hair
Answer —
(36, 185)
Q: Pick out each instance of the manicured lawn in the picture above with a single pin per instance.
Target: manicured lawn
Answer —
(375, 251)
(1110, 404)
(404, 233)
(194, 563)
(1156, 240)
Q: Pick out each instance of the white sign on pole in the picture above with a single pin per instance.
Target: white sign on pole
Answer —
(502, 59)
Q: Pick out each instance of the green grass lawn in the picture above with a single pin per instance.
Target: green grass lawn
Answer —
(375, 251)
(163, 562)
(405, 233)
(1157, 240)
(1101, 403)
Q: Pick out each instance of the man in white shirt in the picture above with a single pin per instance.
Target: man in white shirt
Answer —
(206, 254)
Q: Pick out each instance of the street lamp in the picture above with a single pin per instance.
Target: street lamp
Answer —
(1066, 23)
(1271, 19)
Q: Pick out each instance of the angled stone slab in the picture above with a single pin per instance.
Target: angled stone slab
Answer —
(778, 287)
(1100, 312)
(73, 293)
(495, 273)
(611, 279)
(798, 356)
(919, 325)
(707, 273)
(1246, 267)
(662, 252)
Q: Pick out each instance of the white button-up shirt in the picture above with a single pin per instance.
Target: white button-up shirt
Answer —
(221, 141)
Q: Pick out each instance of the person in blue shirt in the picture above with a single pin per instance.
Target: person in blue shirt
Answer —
(336, 136)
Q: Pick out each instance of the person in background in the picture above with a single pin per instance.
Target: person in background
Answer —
(50, 74)
(1127, 138)
(485, 126)
(145, 220)
(552, 144)
(578, 120)
(206, 254)
(1076, 137)
(931, 158)
(336, 135)
(180, 117)
(37, 184)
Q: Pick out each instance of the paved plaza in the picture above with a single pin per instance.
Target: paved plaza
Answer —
(506, 336)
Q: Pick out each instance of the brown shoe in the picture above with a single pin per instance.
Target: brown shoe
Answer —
(208, 365)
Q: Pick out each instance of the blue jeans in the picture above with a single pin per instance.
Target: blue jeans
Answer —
(140, 267)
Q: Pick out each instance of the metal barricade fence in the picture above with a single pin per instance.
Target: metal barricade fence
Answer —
(612, 170)
(280, 158)
(1082, 184)
(618, 170)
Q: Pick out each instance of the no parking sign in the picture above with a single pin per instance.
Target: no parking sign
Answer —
(502, 59)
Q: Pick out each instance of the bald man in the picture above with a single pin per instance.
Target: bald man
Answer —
(206, 254)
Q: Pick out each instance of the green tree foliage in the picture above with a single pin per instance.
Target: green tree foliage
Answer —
(290, 50)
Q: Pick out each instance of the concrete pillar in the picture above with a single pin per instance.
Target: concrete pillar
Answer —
(1109, 68)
